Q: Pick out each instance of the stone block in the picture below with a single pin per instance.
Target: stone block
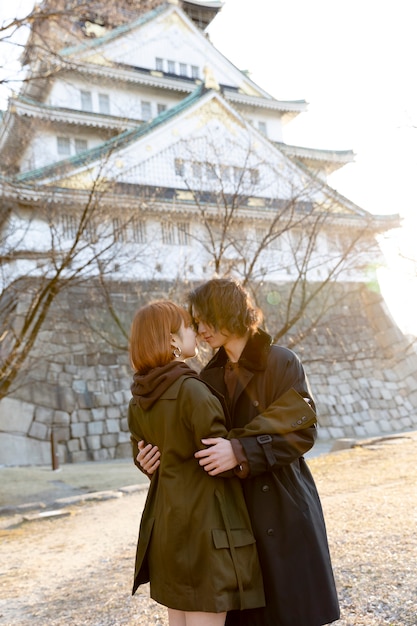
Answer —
(112, 426)
(44, 415)
(348, 420)
(62, 433)
(79, 386)
(66, 399)
(40, 372)
(371, 428)
(335, 432)
(21, 450)
(89, 373)
(86, 400)
(64, 379)
(95, 428)
(98, 413)
(61, 418)
(93, 442)
(113, 412)
(80, 456)
(110, 440)
(15, 415)
(40, 431)
(123, 451)
(84, 415)
(385, 426)
(103, 400)
(78, 430)
(360, 431)
(407, 423)
(124, 437)
(323, 433)
(103, 454)
(118, 398)
(95, 386)
(73, 445)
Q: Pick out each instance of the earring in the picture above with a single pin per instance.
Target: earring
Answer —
(177, 352)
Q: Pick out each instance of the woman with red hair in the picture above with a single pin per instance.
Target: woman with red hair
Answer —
(196, 546)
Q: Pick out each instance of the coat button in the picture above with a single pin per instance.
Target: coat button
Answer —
(265, 488)
(270, 532)
(255, 403)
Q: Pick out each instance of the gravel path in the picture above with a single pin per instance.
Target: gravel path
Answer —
(76, 567)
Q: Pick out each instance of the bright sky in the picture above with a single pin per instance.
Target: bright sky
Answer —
(353, 61)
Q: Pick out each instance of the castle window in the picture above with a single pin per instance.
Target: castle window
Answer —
(262, 127)
(86, 101)
(238, 173)
(195, 71)
(146, 110)
(119, 230)
(161, 108)
(104, 103)
(64, 146)
(260, 234)
(183, 69)
(80, 145)
(138, 231)
(179, 167)
(171, 67)
(196, 169)
(210, 171)
(183, 233)
(175, 234)
(168, 233)
(69, 226)
(159, 64)
(254, 176)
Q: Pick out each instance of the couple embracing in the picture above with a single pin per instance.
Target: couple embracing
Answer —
(232, 531)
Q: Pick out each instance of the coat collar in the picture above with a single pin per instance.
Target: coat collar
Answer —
(253, 357)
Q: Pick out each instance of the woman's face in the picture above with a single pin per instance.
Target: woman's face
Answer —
(186, 340)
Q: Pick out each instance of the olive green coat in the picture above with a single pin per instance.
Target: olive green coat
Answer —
(195, 545)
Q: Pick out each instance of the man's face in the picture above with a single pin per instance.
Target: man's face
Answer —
(215, 338)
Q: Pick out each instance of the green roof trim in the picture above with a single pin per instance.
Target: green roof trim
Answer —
(123, 139)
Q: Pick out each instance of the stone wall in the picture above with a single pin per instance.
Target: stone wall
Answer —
(362, 371)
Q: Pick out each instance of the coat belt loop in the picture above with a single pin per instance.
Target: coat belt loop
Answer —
(266, 442)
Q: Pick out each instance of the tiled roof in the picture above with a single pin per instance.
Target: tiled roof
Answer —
(121, 140)
(116, 32)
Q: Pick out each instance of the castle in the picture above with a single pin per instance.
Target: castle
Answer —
(137, 160)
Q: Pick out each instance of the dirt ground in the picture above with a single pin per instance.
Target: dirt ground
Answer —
(76, 567)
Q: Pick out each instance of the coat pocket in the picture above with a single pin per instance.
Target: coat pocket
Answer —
(239, 536)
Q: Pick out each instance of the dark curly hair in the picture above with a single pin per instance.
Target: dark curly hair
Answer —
(225, 305)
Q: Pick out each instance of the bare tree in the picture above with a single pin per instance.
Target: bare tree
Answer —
(262, 228)
(44, 249)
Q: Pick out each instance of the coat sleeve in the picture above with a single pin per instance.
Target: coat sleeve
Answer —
(286, 429)
(290, 412)
(135, 433)
(277, 451)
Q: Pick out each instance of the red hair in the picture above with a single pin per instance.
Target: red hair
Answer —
(150, 334)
